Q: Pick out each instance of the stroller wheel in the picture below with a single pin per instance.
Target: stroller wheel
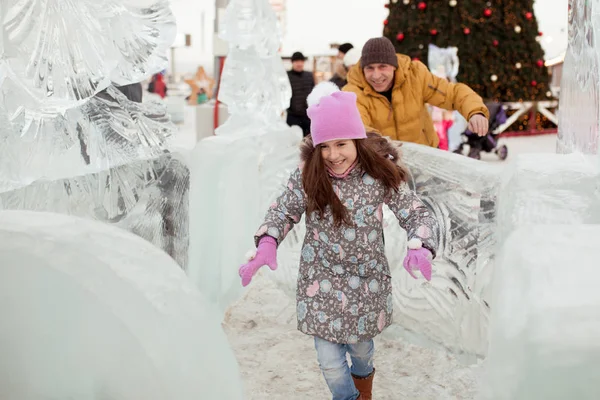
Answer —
(502, 152)
(475, 153)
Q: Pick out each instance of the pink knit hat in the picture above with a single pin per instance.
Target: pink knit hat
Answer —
(333, 114)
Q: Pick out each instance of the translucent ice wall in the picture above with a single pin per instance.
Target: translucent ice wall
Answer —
(94, 312)
(72, 142)
(240, 169)
(579, 111)
(545, 325)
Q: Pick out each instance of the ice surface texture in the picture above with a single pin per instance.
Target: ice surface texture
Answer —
(255, 85)
(579, 112)
(105, 132)
(86, 317)
(452, 309)
(545, 322)
(59, 53)
(149, 198)
(72, 142)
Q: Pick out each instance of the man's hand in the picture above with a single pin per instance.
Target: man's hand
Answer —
(479, 124)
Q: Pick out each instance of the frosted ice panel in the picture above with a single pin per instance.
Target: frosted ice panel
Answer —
(579, 112)
(107, 131)
(147, 197)
(230, 191)
(451, 310)
(545, 322)
(549, 189)
(58, 53)
(130, 325)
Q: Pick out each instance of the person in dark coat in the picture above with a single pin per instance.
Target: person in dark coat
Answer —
(302, 83)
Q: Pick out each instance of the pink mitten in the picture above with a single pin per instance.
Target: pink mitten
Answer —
(418, 258)
(266, 254)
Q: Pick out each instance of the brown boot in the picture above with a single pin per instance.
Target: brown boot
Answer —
(364, 386)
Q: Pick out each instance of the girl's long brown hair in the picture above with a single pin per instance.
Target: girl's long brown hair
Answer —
(376, 155)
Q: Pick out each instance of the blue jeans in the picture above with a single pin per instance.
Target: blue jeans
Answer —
(334, 365)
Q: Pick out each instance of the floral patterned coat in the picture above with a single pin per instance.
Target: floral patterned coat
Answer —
(344, 291)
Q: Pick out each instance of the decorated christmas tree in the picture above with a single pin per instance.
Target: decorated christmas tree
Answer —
(497, 40)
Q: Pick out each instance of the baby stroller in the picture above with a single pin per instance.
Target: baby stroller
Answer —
(489, 142)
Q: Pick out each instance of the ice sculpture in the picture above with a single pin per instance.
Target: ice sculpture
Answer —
(85, 317)
(237, 171)
(254, 84)
(579, 112)
(72, 142)
(58, 54)
(545, 322)
(444, 59)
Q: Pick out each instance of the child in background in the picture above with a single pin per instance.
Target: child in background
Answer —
(344, 293)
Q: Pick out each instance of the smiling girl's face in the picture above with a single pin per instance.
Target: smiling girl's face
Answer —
(339, 155)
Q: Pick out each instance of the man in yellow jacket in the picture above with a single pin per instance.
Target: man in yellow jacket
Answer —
(392, 90)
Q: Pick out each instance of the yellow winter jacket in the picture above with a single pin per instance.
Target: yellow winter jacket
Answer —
(407, 119)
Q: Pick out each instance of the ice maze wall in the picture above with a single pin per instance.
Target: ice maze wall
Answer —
(90, 311)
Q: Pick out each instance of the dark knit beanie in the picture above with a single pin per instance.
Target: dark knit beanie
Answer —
(378, 51)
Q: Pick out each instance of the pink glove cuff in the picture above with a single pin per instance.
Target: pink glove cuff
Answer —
(267, 240)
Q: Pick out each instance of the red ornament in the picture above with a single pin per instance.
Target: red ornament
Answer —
(529, 15)
(416, 59)
(387, 5)
(540, 63)
(422, 5)
(433, 32)
(400, 36)
(487, 12)
(533, 83)
(385, 22)
(540, 33)
(466, 31)
(495, 43)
